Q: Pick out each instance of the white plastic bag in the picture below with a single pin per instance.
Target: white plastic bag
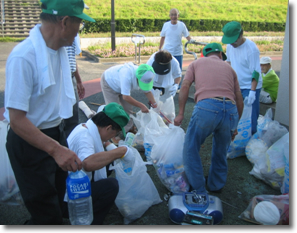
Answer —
(167, 157)
(150, 125)
(285, 186)
(244, 128)
(270, 168)
(263, 121)
(137, 191)
(165, 104)
(9, 189)
(255, 149)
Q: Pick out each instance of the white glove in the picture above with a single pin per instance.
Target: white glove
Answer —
(173, 89)
(129, 155)
(252, 97)
(192, 41)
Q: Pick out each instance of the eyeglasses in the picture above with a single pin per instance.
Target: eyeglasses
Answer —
(173, 14)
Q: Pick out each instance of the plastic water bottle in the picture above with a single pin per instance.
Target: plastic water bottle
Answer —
(127, 165)
(80, 206)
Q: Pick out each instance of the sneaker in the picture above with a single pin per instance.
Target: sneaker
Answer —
(215, 191)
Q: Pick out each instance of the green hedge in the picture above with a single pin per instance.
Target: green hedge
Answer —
(154, 25)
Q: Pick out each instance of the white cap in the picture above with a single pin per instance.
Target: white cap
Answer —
(265, 60)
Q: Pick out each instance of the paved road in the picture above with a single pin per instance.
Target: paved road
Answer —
(91, 71)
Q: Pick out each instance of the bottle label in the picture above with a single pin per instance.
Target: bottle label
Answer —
(78, 188)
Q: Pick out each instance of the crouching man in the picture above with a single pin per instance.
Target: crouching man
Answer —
(89, 141)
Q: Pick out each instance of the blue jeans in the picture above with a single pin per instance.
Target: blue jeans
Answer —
(255, 107)
(220, 118)
(180, 61)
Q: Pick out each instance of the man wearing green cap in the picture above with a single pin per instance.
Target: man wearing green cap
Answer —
(38, 96)
(117, 83)
(89, 141)
(218, 109)
(244, 57)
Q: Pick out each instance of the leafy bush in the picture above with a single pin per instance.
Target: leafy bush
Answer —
(153, 25)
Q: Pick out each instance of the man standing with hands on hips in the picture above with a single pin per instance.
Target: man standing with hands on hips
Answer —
(244, 57)
(38, 70)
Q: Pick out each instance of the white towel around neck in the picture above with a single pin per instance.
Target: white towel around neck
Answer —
(67, 99)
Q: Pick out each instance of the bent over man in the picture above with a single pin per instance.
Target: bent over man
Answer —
(217, 111)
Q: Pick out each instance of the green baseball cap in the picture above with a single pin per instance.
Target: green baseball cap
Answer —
(231, 32)
(66, 8)
(117, 113)
(214, 47)
(145, 75)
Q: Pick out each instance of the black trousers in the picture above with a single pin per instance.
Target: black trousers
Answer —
(72, 122)
(41, 181)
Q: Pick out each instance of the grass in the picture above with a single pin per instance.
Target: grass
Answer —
(241, 10)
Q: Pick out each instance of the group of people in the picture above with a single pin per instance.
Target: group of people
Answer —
(40, 152)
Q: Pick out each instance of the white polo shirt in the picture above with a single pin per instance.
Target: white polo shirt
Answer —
(122, 78)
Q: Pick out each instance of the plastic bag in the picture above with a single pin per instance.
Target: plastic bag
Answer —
(255, 149)
(269, 131)
(270, 168)
(165, 105)
(244, 128)
(263, 121)
(150, 126)
(273, 132)
(167, 158)
(285, 186)
(280, 201)
(9, 189)
(137, 191)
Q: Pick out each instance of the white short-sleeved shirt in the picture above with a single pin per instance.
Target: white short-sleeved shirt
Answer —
(22, 84)
(122, 78)
(167, 79)
(245, 59)
(83, 144)
(173, 34)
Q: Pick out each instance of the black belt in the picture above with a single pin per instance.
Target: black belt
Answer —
(222, 98)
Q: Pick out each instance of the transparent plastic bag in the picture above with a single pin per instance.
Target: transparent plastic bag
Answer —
(167, 158)
(280, 201)
(150, 126)
(244, 128)
(137, 192)
(9, 189)
(263, 121)
(165, 105)
(271, 168)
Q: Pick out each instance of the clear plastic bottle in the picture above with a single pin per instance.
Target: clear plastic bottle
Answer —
(80, 206)
(127, 165)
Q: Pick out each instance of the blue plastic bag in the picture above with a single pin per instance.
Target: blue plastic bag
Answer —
(244, 128)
